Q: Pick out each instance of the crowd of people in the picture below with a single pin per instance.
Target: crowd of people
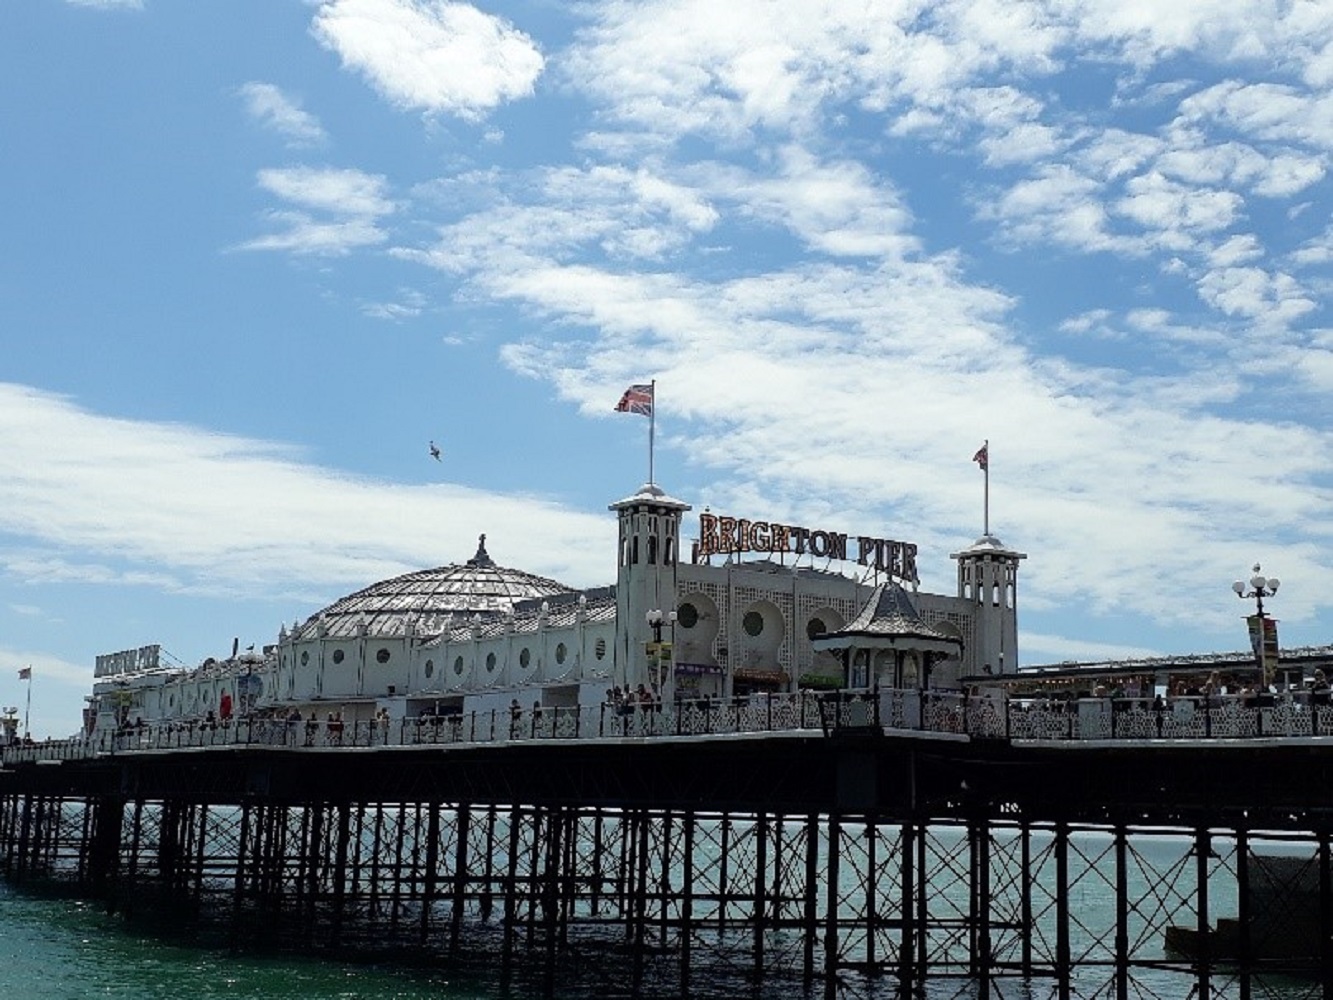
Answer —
(624, 701)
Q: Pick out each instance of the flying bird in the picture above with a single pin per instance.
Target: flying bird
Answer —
(434, 451)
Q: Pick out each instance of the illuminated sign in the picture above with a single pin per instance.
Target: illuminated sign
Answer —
(127, 661)
(730, 535)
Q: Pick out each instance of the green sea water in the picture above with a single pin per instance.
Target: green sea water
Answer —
(66, 949)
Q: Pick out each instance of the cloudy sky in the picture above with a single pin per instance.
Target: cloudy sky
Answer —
(256, 254)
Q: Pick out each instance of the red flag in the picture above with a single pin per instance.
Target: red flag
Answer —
(637, 399)
(25, 673)
(982, 457)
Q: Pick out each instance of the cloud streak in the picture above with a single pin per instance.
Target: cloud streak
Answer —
(274, 109)
(124, 502)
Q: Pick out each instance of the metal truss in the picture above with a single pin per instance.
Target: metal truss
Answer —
(558, 899)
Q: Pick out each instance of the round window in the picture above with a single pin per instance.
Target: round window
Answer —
(305, 657)
(458, 665)
(814, 627)
(687, 615)
(753, 623)
(490, 661)
(430, 668)
(337, 656)
(382, 656)
(561, 653)
(599, 650)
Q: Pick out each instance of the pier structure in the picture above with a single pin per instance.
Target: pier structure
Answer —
(842, 857)
(741, 775)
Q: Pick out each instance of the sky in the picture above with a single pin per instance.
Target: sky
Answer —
(255, 255)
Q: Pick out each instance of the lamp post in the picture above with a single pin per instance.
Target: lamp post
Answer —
(657, 620)
(1260, 587)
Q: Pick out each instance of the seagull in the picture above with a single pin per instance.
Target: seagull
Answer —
(434, 451)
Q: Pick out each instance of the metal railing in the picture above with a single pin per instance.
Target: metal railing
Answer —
(942, 714)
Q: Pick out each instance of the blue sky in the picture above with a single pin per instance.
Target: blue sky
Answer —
(255, 254)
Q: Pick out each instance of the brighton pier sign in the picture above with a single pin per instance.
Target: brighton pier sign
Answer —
(732, 535)
(127, 661)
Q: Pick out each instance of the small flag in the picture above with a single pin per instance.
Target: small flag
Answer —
(982, 457)
(25, 673)
(637, 399)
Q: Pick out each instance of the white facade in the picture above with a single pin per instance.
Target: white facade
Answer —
(476, 636)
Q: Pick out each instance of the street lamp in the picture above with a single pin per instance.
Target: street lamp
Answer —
(657, 619)
(1260, 587)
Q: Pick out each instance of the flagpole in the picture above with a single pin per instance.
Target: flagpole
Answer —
(28, 707)
(652, 426)
(986, 501)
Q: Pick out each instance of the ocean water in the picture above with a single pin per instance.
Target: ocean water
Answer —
(66, 949)
(60, 948)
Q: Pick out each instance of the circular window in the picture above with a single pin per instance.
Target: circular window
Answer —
(599, 650)
(337, 656)
(382, 656)
(458, 665)
(305, 657)
(430, 668)
(687, 615)
(560, 653)
(814, 627)
(490, 661)
(753, 623)
(524, 658)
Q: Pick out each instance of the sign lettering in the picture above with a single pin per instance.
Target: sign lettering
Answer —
(730, 535)
(127, 661)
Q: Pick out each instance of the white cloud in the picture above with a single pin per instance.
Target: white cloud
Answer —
(268, 105)
(1276, 299)
(431, 54)
(1266, 111)
(409, 305)
(1177, 211)
(1038, 647)
(351, 203)
(185, 510)
(108, 4)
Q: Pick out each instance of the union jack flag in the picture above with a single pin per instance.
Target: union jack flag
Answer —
(637, 399)
(982, 457)
(25, 673)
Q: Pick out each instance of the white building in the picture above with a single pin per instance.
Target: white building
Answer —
(758, 606)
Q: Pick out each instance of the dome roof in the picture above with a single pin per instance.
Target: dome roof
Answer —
(427, 598)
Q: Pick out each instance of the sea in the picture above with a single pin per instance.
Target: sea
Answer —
(54, 948)
(62, 948)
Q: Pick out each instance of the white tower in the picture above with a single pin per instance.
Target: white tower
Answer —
(988, 578)
(645, 576)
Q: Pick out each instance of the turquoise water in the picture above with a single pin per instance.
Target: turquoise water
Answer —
(65, 949)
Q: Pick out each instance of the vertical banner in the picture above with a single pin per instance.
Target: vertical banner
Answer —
(659, 662)
(1263, 640)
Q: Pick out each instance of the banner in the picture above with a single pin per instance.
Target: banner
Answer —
(1263, 640)
(659, 660)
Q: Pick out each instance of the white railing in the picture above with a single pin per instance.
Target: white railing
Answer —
(896, 711)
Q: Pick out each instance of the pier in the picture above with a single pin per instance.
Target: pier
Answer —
(875, 846)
